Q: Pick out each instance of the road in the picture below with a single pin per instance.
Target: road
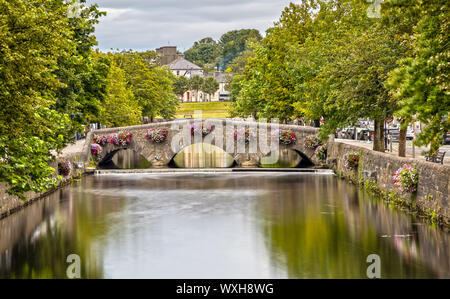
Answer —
(409, 149)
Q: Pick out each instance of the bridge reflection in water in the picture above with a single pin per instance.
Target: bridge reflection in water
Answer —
(203, 155)
(130, 159)
(287, 159)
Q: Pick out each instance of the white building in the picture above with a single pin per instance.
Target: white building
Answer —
(181, 67)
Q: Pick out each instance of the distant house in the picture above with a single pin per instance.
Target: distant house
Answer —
(182, 67)
(222, 94)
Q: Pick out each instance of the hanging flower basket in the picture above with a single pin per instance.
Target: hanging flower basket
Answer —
(101, 139)
(321, 153)
(202, 128)
(246, 133)
(406, 178)
(157, 135)
(96, 149)
(64, 167)
(113, 139)
(351, 160)
(286, 137)
(125, 138)
(312, 142)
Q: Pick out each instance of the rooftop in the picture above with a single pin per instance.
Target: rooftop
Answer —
(182, 64)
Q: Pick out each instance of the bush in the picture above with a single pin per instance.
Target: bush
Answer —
(286, 137)
(64, 167)
(312, 142)
(406, 178)
(321, 153)
(125, 138)
(114, 139)
(96, 149)
(157, 135)
(101, 139)
(351, 160)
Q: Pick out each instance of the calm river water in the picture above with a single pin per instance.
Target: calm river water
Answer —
(193, 225)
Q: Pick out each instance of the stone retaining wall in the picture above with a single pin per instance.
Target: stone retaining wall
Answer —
(10, 204)
(433, 190)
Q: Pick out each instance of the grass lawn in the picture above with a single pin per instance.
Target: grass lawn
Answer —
(209, 109)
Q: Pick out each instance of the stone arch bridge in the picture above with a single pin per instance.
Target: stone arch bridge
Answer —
(162, 154)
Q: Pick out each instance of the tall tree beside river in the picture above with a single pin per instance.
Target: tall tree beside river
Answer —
(37, 39)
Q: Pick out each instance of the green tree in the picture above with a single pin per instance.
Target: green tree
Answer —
(210, 85)
(233, 44)
(34, 36)
(205, 53)
(340, 69)
(81, 70)
(181, 85)
(421, 83)
(151, 84)
(196, 83)
(120, 108)
(267, 88)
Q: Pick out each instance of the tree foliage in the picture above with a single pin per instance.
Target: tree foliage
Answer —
(211, 54)
(151, 84)
(120, 108)
(36, 37)
(421, 83)
(329, 60)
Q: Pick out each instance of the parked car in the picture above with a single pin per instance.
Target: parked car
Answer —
(394, 134)
(410, 133)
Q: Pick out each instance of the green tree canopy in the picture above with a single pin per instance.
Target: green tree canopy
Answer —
(151, 84)
(421, 83)
(233, 44)
(120, 108)
(36, 38)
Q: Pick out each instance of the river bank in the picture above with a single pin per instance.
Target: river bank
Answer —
(375, 174)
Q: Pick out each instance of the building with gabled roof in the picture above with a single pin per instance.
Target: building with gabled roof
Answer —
(181, 67)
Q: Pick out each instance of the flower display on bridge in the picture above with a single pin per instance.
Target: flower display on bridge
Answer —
(124, 138)
(246, 133)
(406, 178)
(321, 153)
(202, 128)
(101, 139)
(96, 149)
(286, 137)
(157, 135)
(64, 167)
(351, 160)
(114, 139)
(312, 142)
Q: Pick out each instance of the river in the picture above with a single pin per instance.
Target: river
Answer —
(223, 225)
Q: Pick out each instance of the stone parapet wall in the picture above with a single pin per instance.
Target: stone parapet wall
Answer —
(164, 152)
(434, 179)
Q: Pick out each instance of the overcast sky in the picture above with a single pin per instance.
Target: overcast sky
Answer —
(149, 24)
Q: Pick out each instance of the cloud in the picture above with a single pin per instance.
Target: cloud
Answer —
(149, 24)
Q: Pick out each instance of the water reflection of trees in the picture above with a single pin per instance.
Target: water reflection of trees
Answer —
(317, 234)
(37, 240)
